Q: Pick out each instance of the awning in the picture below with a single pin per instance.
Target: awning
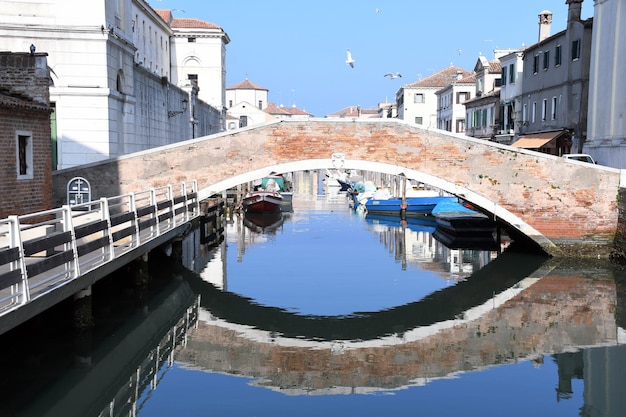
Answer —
(538, 140)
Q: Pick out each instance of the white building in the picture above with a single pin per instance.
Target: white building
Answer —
(111, 65)
(510, 96)
(247, 105)
(483, 111)
(606, 125)
(417, 101)
(451, 103)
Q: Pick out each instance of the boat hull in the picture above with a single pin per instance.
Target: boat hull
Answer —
(262, 202)
(410, 205)
(467, 223)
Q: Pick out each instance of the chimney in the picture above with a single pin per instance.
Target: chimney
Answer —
(545, 21)
(574, 10)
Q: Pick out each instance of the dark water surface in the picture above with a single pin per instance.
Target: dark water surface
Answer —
(323, 312)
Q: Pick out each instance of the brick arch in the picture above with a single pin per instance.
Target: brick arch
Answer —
(568, 208)
(491, 207)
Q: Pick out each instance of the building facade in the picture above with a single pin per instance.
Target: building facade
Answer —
(606, 126)
(451, 103)
(417, 101)
(483, 111)
(555, 82)
(111, 69)
(25, 163)
(511, 86)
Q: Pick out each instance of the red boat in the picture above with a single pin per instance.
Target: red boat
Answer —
(262, 202)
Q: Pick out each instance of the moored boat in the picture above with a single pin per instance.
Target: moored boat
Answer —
(418, 204)
(458, 219)
(262, 201)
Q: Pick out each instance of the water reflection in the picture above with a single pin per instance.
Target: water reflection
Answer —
(111, 371)
(507, 309)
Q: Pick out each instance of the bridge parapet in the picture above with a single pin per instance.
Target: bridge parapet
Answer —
(567, 207)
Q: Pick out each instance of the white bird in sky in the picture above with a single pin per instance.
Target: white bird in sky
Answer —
(378, 10)
(349, 61)
(393, 76)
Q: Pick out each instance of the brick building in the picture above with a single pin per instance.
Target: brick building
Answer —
(26, 163)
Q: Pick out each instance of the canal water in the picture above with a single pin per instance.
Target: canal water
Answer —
(326, 312)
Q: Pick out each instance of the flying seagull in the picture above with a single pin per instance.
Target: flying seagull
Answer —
(349, 61)
(393, 76)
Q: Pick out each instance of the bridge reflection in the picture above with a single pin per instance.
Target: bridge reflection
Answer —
(557, 313)
(532, 313)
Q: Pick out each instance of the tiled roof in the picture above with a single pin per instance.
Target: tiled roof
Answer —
(495, 67)
(353, 111)
(246, 85)
(273, 109)
(441, 79)
(18, 102)
(166, 15)
(184, 23)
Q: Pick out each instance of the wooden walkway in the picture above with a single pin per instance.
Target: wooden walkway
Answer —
(49, 256)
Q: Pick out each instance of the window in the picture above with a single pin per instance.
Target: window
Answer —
(534, 112)
(230, 103)
(24, 155)
(191, 40)
(504, 70)
(557, 56)
(462, 97)
(512, 73)
(544, 109)
(575, 49)
(78, 191)
(419, 98)
(483, 121)
(546, 60)
(553, 109)
(260, 104)
(243, 121)
(193, 78)
(418, 120)
(536, 64)
(460, 125)
(525, 113)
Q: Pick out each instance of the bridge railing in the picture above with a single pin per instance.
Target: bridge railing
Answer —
(42, 251)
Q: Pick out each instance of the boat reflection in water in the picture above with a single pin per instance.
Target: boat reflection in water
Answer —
(263, 222)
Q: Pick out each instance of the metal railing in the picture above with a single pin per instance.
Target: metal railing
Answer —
(42, 251)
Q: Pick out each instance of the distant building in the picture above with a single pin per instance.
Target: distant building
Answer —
(287, 113)
(355, 112)
(483, 111)
(25, 163)
(417, 101)
(247, 103)
(451, 103)
(387, 110)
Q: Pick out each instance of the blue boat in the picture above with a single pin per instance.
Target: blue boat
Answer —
(411, 206)
(424, 223)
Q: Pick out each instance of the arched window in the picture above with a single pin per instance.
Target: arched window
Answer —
(120, 82)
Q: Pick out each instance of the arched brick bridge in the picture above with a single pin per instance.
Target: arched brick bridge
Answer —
(567, 208)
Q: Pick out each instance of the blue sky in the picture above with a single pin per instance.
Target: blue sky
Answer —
(297, 49)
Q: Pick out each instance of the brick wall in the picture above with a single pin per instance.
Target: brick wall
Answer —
(24, 106)
(573, 206)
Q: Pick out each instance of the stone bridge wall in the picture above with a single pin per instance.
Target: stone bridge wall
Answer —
(568, 208)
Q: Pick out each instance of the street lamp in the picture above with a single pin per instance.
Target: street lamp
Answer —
(173, 113)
